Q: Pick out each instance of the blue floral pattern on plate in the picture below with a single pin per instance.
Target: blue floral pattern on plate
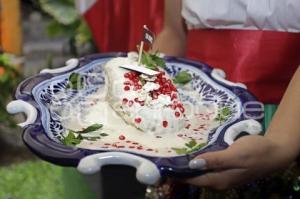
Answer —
(43, 137)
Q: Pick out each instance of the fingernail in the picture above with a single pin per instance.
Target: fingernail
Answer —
(197, 164)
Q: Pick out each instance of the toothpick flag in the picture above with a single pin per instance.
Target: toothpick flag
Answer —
(148, 37)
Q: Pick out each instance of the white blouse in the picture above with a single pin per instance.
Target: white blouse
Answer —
(279, 15)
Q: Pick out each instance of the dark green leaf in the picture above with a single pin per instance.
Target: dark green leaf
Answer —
(192, 147)
(226, 111)
(180, 151)
(182, 77)
(197, 147)
(91, 128)
(63, 11)
(191, 143)
(158, 60)
(152, 61)
(75, 81)
(223, 114)
(71, 139)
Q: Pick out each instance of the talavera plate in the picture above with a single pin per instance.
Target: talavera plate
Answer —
(46, 102)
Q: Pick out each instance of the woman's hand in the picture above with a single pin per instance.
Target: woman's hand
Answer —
(248, 158)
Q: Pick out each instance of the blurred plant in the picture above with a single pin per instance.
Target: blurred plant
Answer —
(9, 78)
(65, 21)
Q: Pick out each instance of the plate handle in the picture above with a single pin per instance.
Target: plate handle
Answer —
(146, 171)
(20, 106)
(250, 126)
(220, 76)
(70, 64)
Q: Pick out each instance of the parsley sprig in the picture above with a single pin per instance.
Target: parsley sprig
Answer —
(75, 137)
(76, 81)
(152, 60)
(182, 77)
(191, 147)
(223, 114)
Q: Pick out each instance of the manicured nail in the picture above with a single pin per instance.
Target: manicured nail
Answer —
(197, 164)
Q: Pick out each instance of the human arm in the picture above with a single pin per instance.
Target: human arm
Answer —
(251, 157)
(172, 39)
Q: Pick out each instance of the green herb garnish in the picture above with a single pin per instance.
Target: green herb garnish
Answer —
(180, 151)
(72, 140)
(223, 114)
(104, 134)
(91, 128)
(152, 61)
(191, 147)
(75, 81)
(191, 143)
(182, 77)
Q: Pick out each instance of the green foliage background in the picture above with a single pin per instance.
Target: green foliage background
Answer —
(8, 82)
(66, 21)
(42, 180)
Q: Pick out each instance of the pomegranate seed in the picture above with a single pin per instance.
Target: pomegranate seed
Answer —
(177, 114)
(126, 88)
(138, 120)
(135, 143)
(165, 123)
(127, 83)
(181, 109)
(127, 75)
(139, 147)
(130, 103)
(149, 149)
(174, 96)
(154, 96)
(173, 106)
(125, 100)
(135, 84)
(121, 137)
(188, 126)
(179, 135)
